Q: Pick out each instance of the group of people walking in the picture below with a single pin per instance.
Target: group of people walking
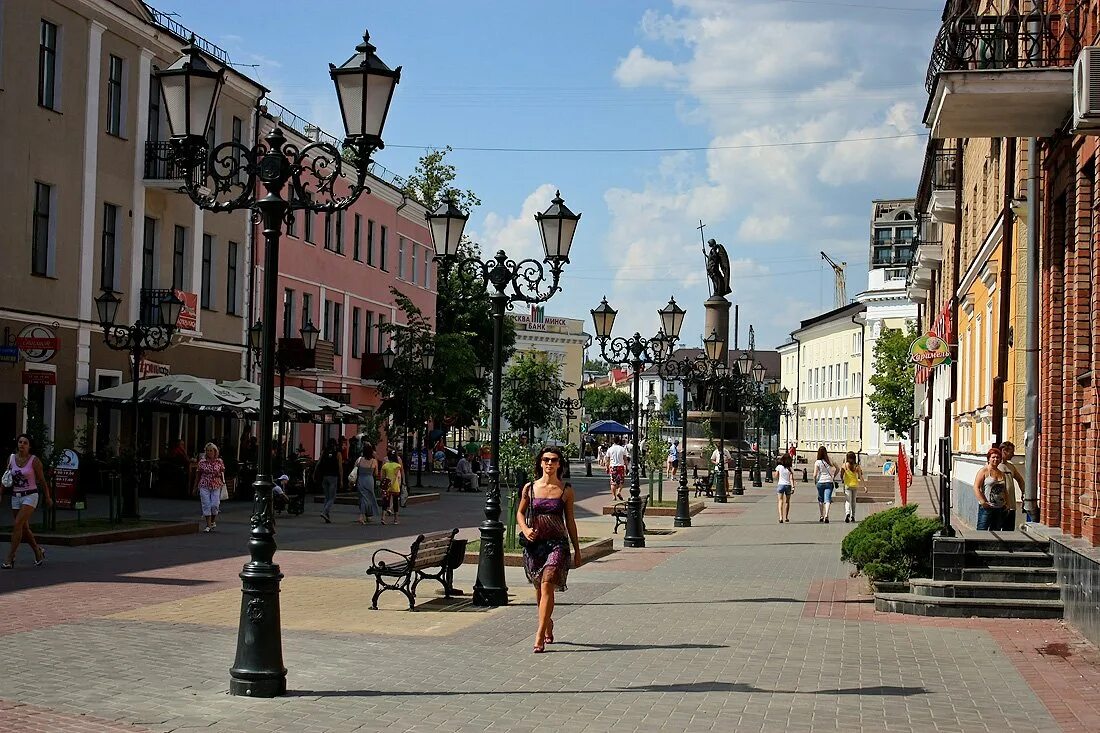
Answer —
(829, 479)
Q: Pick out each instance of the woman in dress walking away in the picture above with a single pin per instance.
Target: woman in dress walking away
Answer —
(27, 478)
(852, 476)
(545, 517)
(210, 480)
(367, 471)
(392, 477)
(824, 476)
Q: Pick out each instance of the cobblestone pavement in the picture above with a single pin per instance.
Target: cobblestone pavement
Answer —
(737, 623)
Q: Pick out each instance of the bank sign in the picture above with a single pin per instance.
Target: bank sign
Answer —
(930, 351)
(538, 321)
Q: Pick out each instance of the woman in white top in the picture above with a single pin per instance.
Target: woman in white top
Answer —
(784, 488)
(27, 479)
(824, 476)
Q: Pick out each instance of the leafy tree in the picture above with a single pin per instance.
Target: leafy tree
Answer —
(670, 407)
(433, 180)
(533, 401)
(408, 394)
(656, 447)
(891, 402)
(607, 403)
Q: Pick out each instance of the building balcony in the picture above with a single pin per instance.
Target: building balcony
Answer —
(1001, 71)
(888, 254)
(161, 168)
(930, 255)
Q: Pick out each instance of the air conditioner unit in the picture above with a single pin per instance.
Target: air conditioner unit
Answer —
(1086, 92)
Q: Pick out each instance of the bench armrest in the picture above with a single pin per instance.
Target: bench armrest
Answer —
(375, 562)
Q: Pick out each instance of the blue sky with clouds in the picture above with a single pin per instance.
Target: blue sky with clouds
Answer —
(734, 81)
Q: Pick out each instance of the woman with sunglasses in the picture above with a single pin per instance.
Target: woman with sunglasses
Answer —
(545, 517)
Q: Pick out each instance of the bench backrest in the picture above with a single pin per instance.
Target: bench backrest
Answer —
(431, 549)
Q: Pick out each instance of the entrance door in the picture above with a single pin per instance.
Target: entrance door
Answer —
(9, 426)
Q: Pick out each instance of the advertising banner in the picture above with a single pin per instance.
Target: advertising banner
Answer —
(67, 493)
(188, 317)
(930, 351)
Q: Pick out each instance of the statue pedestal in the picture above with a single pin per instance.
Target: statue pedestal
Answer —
(717, 320)
(729, 428)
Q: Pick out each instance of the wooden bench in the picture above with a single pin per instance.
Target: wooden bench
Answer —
(619, 512)
(394, 570)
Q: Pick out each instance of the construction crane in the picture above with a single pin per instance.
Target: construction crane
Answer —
(841, 288)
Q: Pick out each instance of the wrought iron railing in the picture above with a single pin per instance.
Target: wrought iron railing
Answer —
(164, 20)
(1006, 34)
(945, 169)
(161, 164)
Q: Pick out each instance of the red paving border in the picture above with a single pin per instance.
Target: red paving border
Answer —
(18, 717)
(1060, 665)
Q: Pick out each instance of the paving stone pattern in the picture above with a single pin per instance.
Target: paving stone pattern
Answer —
(737, 623)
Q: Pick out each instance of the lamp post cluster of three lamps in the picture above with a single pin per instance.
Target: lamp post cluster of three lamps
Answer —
(526, 281)
(636, 352)
(272, 179)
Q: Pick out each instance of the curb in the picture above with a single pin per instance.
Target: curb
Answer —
(169, 529)
(589, 552)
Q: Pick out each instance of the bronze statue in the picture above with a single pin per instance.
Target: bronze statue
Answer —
(718, 269)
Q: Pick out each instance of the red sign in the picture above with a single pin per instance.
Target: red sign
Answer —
(32, 343)
(36, 377)
(188, 318)
(903, 474)
(152, 369)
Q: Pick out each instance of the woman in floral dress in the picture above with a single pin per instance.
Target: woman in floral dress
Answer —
(545, 517)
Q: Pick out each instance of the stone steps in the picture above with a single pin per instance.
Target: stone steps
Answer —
(1010, 574)
(984, 589)
(1007, 558)
(920, 605)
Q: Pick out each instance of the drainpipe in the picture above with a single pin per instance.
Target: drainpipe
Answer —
(1005, 277)
(1032, 418)
(952, 299)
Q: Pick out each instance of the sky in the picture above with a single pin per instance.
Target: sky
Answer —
(649, 116)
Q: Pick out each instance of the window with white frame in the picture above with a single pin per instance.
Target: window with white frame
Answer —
(415, 249)
(115, 91)
(355, 316)
(149, 252)
(179, 257)
(206, 299)
(288, 313)
(838, 380)
(49, 88)
(108, 249)
(232, 285)
(43, 230)
(829, 381)
(400, 258)
(844, 380)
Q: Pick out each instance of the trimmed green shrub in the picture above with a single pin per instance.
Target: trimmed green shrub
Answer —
(891, 545)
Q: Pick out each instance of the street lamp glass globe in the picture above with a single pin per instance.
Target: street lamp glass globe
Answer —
(758, 373)
(603, 318)
(672, 318)
(427, 357)
(190, 89)
(309, 335)
(744, 363)
(784, 393)
(106, 306)
(557, 225)
(256, 335)
(446, 224)
(170, 308)
(388, 356)
(714, 346)
(580, 393)
(480, 372)
(364, 89)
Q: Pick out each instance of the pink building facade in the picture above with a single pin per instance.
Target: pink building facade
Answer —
(337, 271)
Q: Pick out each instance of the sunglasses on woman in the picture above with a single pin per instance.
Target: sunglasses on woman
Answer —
(549, 459)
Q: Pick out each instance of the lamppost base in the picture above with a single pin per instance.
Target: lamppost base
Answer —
(259, 686)
(634, 541)
(258, 670)
(490, 589)
(681, 522)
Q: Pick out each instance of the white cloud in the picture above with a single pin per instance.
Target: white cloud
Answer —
(637, 70)
(764, 229)
(517, 235)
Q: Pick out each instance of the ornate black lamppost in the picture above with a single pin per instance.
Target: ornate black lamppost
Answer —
(272, 179)
(785, 413)
(571, 407)
(691, 371)
(636, 352)
(286, 358)
(152, 331)
(526, 281)
(757, 413)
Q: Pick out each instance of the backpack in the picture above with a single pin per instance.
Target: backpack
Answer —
(327, 465)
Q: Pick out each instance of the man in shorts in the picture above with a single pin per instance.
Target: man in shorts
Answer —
(617, 460)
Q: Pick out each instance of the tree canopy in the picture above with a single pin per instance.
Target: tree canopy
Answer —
(532, 387)
(607, 403)
(891, 402)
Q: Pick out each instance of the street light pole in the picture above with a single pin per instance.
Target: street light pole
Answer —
(137, 338)
(272, 179)
(526, 281)
(636, 352)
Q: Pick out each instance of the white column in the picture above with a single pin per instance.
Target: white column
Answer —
(88, 205)
(137, 204)
(196, 263)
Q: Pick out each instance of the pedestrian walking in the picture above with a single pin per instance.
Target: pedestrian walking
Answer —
(210, 485)
(784, 487)
(601, 456)
(617, 460)
(392, 478)
(991, 491)
(329, 470)
(1015, 495)
(673, 458)
(366, 467)
(851, 475)
(824, 476)
(24, 477)
(545, 517)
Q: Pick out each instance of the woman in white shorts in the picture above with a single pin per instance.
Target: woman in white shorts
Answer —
(210, 480)
(27, 478)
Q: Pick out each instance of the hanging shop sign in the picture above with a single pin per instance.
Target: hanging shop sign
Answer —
(67, 492)
(188, 317)
(37, 343)
(151, 368)
(930, 351)
(539, 321)
(36, 377)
